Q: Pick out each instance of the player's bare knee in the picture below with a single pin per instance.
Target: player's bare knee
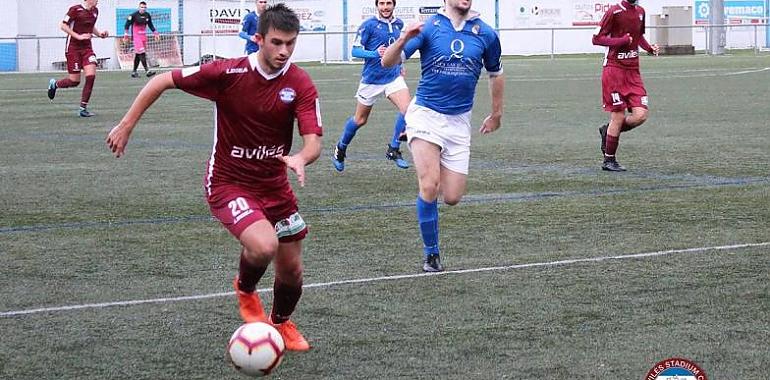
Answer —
(638, 116)
(257, 258)
(261, 250)
(452, 200)
(429, 190)
(360, 120)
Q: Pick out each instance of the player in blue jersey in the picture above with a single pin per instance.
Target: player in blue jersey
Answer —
(454, 46)
(374, 35)
(251, 26)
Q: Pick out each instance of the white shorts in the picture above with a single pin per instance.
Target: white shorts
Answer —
(452, 133)
(368, 94)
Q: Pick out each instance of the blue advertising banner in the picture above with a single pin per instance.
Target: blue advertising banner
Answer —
(8, 55)
(734, 9)
(161, 19)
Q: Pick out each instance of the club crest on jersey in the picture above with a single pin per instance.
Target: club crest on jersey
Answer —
(475, 29)
(287, 95)
(457, 46)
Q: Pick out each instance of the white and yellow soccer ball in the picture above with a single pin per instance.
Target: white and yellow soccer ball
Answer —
(255, 349)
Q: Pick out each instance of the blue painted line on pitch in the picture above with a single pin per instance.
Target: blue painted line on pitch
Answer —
(496, 165)
(538, 169)
(472, 199)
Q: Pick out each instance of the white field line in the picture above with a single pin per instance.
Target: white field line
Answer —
(748, 71)
(390, 278)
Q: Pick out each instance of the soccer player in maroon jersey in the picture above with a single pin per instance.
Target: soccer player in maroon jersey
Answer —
(139, 21)
(80, 25)
(257, 98)
(622, 31)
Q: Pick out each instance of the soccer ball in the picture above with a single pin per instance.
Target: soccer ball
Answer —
(255, 349)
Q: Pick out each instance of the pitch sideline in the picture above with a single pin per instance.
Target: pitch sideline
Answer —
(391, 278)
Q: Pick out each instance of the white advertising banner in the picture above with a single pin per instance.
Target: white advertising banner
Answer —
(315, 18)
(411, 11)
(408, 10)
(589, 13)
(543, 26)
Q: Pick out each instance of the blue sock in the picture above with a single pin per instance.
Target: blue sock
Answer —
(348, 133)
(427, 217)
(398, 129)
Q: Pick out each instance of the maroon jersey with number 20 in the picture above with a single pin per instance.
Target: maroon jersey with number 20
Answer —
(254, 119)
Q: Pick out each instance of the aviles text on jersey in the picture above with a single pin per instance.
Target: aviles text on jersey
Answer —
(258, 153)
(628, 54)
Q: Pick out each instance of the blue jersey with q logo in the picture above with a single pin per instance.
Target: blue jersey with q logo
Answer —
(372, 34)
(451, 61)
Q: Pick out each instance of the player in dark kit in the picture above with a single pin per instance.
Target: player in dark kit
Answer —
(622, 31)
(138, 22)
(257, 99)
(80, 24)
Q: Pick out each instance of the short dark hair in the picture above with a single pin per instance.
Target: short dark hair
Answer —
(142, 3)
(279, 17)
(378, 1)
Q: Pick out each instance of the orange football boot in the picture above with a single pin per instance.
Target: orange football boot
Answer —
(292, 338)
(249, 305)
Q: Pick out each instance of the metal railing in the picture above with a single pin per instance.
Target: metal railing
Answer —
(33, 53)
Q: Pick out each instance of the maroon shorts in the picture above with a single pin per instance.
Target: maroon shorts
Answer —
(237, 207)
(77, 59)
(622, 89)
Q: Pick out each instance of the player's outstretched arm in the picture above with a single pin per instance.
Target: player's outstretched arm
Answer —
(311, 150)
(118, 136)
(392, 55)
(360, 52)
(496, 91)
(652, 49)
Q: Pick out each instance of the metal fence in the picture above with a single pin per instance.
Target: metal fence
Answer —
(33, 53)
